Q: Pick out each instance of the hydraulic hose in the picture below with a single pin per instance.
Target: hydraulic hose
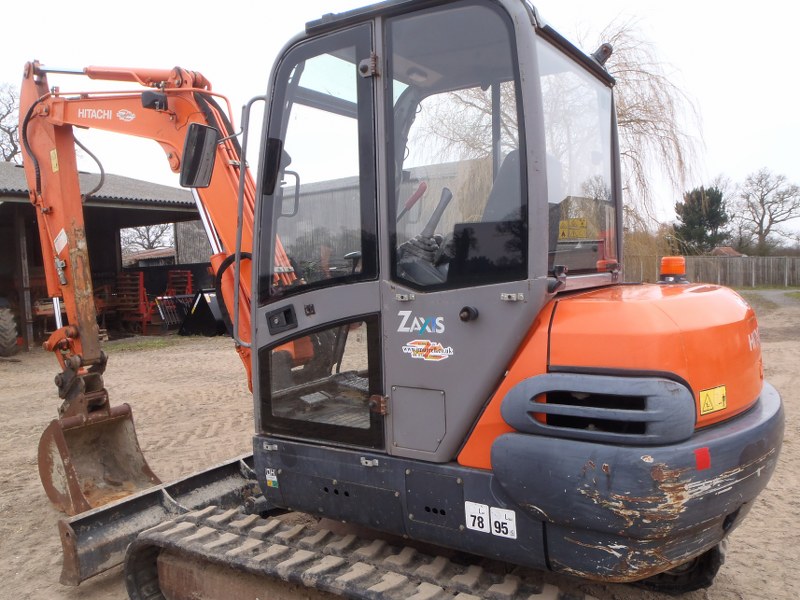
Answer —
(226, 317)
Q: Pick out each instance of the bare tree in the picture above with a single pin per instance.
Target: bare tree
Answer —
(147, 237)
(9, 124)
(461, 121)
(651, 110)
(765, 201)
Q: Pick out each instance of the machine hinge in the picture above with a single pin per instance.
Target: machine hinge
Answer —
(379, 404)
(366, 462)
(506, 297)
(369, 66)
(558, 280)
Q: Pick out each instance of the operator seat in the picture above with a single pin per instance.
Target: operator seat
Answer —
(492, 249)
(505, 199)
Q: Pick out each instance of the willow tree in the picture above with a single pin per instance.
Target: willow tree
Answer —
(652, 117)
(652, 113)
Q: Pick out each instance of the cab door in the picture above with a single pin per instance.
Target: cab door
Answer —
(318, 361)
(460, 296)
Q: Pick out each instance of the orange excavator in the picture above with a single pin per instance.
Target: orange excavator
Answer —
(463, 382)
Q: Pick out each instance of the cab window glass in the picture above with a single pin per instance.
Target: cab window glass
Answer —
(320, 385)
(321, 229)
(578, 120)
(459, 214)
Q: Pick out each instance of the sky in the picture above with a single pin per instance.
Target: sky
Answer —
(738, 66)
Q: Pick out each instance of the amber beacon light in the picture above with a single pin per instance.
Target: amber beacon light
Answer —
(673, 270)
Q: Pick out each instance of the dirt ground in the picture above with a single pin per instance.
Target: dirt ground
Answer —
(192, 409)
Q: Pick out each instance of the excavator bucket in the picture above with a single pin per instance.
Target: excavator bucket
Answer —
(96, 541)
(86, 461)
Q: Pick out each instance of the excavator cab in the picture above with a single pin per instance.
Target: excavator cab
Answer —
(449, 146)
(468, 161)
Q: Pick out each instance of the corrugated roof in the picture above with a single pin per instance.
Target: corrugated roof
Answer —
(116, 188)
(129, 258)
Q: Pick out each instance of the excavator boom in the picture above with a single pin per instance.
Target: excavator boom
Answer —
(90, 455)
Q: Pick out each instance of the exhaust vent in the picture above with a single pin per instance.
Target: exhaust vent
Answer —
(644, 411)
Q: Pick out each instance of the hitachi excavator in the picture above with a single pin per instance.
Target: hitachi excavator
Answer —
(452, 384)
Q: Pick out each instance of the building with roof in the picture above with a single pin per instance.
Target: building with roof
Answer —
(120, 203)
(726, 251)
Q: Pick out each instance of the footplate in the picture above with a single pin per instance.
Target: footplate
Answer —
(295, 551)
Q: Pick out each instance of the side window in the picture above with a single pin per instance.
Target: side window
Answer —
(459, 214)
(577, 119)
(319, 384)
(321, 229)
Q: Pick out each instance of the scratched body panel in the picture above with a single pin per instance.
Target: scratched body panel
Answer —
(626, 511)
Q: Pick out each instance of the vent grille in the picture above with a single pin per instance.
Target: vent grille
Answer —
(603, 408)
(596, 412)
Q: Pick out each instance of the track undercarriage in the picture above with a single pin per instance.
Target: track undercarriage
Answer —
(216, 553)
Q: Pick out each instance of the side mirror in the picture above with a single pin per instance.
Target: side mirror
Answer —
(199, 152)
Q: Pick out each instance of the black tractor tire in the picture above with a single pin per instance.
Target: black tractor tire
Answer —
(697, 574)
(8, 333)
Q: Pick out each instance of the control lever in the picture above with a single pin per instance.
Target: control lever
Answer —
(430, 227)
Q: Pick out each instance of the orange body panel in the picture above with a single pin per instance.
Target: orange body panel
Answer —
(529, 361)
(705, 335)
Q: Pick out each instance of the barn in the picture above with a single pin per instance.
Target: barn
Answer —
(120, 203)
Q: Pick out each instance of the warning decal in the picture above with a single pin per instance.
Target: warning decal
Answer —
(272, 478)
(61, 241)
(713, 400)
(571, 229)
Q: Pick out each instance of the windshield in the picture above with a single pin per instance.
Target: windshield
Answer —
(577, 120)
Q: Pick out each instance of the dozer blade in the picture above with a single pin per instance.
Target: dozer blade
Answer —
(88, 461)
(96, 541)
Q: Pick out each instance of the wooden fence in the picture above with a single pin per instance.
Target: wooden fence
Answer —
(737, 272)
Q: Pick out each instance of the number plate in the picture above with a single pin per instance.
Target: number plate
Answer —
(477, 516)
(504, 523)
(489, 519)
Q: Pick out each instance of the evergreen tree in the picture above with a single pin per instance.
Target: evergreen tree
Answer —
(702, 218)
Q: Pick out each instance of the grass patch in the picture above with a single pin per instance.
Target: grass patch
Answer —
(139, 343)
(793, 295)
(759, 303)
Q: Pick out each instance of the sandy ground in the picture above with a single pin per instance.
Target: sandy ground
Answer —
(192, 410)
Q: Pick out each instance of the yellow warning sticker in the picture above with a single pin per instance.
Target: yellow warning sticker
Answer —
(571, 229)
(54, 160)
(713, 400)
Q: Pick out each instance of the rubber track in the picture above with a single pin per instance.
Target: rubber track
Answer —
(345, 565)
